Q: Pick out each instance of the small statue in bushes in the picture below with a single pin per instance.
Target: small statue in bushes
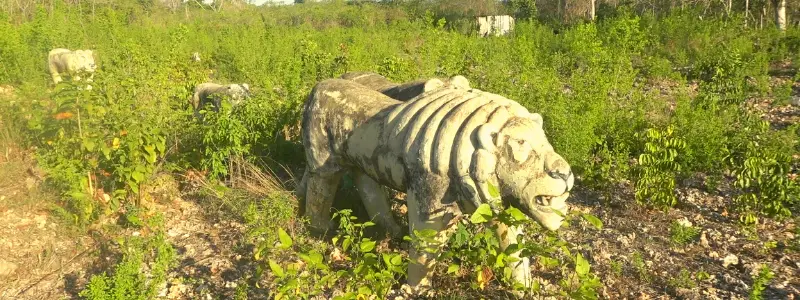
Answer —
(62, 60)
(213, 93)
(450, 148)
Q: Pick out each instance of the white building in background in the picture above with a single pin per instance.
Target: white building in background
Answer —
(495, 25)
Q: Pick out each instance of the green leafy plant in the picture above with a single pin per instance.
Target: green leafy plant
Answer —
(640, 266)
(353, 257)
(146, 261)
(702, 275)
(473, 251)
(95, 153)
(683, 280)
(224, 135)
(658, 168)
(616, 267)
(763, 179)
(682, 235)
(760, 282)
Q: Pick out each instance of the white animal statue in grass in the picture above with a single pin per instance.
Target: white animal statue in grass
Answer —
(495, 25)
(213, 93)
(445, 147)
(196, 56)
(62, 60)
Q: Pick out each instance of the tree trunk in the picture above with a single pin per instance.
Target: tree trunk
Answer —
(592, 10)
(780, 14)
(746, 12)
(728, 9)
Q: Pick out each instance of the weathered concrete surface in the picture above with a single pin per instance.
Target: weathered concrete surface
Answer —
(495, 25)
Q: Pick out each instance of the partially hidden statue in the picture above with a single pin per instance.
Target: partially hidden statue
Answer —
(442, 143)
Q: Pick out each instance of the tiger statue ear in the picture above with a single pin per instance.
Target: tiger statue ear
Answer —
(432, 84)
(460, 82)
(537, 118)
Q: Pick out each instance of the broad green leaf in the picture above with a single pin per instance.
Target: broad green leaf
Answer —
(160, 146)
(548, 262)
(137, 176)
(346, 243)
(482, 214)
(276, 268)
(150, 149)
(453, 268)
(151, 157)
(363, 290)
(493, 191)
(397, 260)
(315, 257)
(517, 214)
(593, 220)
(581, 265)
(89, 145)
(106, 151)
(367, 245)
(425, 233)
(286, 240)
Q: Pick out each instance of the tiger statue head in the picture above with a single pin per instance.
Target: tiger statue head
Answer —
(513, 154)
(530, 174)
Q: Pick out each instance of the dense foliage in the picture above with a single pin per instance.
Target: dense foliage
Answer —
(596, 85)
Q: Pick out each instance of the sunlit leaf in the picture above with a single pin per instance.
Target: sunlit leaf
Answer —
(286, 240)
(276, 268)
(482, 214)
(581, 265)
(453, 268)
(593, 220)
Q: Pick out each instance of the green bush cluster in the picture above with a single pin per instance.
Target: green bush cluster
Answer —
(142, 271)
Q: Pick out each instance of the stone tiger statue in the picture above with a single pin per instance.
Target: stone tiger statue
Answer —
(212, 93)
(62, 60)
(443, 147)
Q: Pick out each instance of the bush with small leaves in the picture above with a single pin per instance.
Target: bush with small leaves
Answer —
(760, 282)
(658, 168)
(682, 234)
(354, 266)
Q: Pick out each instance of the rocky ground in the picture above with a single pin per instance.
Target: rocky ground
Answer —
(636, 256)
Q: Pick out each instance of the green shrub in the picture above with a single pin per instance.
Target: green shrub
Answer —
(146, 261)
(87, 141)
(763, 179)
(358, 270)
(682, 235)
(473, 251)
(760, 281)
(658, 168)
